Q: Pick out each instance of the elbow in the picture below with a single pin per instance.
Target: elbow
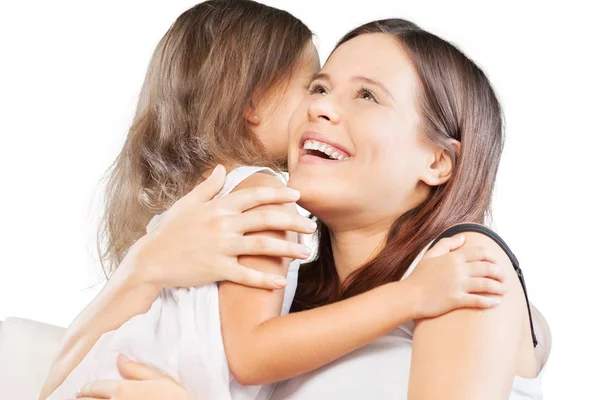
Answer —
(247, 379)
(250, 362)
(246, 370)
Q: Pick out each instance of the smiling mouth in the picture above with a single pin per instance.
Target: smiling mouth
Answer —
(323, 150)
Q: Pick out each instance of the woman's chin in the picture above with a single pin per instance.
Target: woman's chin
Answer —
(314, 194)
(321, 189)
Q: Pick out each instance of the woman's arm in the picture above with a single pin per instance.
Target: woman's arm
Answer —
(143, 273)
(472, 354)
(263, 347)
(139, 382)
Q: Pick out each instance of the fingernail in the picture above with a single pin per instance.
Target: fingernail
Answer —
(81, 390)
(280, 281)
(123, 357)
(295, 193)
(311, 225)
(218, 167)
(307, 251)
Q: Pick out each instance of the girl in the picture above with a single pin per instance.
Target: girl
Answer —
(221, 88)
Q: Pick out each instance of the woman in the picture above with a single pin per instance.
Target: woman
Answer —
(422, 131)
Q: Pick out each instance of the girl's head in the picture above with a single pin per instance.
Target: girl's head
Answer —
(420, 132)
(220, 88)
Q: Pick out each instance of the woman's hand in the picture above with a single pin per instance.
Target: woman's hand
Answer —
(452, 276)
(141, 382)
(198, 240)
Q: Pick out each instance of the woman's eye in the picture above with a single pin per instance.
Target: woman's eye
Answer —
(317, 89)
(366, 94)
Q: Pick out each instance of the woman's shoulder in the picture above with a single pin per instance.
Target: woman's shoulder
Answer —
(495, 250)
(474, 229)
(489, 242)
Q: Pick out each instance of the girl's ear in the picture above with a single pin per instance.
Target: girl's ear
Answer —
(251, 115)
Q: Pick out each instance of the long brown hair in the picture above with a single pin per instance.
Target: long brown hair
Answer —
(216, 58)
(457, 102)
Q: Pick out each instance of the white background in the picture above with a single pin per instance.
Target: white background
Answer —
(70, 73)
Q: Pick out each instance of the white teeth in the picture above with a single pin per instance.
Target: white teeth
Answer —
(311, 145)
(323, 148)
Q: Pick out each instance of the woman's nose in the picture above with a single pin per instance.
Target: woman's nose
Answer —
(324, 108)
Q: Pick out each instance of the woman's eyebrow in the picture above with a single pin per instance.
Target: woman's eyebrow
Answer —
(324, 76)
(375, 83)
(321, 76)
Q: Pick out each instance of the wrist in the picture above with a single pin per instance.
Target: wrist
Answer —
(408, 300)
(126, 287)
(134, 272)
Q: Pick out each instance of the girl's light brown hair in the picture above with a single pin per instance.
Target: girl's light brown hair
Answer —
(457, 102)
(216, 58)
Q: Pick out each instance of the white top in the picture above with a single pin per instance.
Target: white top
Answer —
(380, 370)
(180, 334)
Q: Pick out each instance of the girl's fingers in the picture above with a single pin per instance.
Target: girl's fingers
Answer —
(259, 245)
(479, 301)
(485, 285)
(253, 278)
(208, 189)
(483, 269)
(248, 198)
(271, 220)
(476, 253)
(445, 246)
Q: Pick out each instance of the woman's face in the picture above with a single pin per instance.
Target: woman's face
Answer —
(355, 147)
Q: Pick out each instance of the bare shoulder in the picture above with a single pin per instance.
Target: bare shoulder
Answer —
(477, 352)
(503, 321)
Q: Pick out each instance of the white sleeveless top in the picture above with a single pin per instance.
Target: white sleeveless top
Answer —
(380, 370)
(180, 335)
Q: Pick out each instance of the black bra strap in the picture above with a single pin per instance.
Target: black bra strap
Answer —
(494, 236)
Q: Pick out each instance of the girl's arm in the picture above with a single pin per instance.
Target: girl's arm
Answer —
(472, 354)
(263, 347)
(121, 299)
(181, 254)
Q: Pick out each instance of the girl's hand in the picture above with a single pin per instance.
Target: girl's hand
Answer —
(451, 276)
(141, 382)
(198, 240)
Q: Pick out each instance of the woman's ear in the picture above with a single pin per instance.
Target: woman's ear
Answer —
(441, 165)
(251, 115)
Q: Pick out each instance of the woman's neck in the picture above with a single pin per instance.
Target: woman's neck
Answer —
(355, 247)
